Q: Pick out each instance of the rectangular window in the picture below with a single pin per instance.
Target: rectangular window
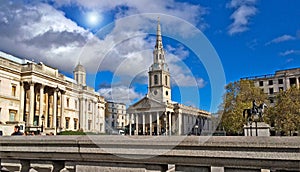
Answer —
(292, 82)
(68, 102)
(101, 126)
(155, 79)
(270, 82)
(89, 106)
(280, 88)
(36, 120)
(12, 115)
(261, 83)
(271, 100)
(67, 122)
(75, 123)
(280, 81)
(13, 90)
(166, 80)
(75, 104)
(271, 91)
(89, 124)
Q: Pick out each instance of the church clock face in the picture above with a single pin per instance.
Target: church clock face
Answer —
(155, 92)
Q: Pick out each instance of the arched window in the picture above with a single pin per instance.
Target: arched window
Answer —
(166, 80)
(155, 79)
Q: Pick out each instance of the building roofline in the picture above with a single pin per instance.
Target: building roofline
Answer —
(270, 75)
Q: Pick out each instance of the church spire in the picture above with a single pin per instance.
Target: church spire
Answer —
(159, 76)
(158, 53)
(159, 44)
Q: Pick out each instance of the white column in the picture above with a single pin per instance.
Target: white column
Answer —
(170, 124)
(31, 105)
(22, 98)
(150, 123)
(81, 114)
(297, 82)
(41, 109)
(157, 124)
(95, 121)
(86, 115)
(287, 83)
(136, 124)
(92, 116)
(144, 125)
(54, 114)
(130, 123)
(179, 123)
(166, 123)
(62, 114)
(46, 110)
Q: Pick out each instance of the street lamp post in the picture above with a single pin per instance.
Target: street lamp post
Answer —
(43, 118)
(196, 127)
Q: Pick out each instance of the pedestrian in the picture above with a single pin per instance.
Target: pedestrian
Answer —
(17, 131)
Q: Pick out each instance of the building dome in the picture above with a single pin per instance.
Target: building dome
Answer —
(79, 68)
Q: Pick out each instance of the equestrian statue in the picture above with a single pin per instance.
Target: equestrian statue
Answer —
(254, 111)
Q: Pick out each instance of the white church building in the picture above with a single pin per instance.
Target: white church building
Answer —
(156, 113)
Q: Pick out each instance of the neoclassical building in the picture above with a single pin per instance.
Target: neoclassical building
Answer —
(115, 114)
(271, 84)
(46, 100)
(156, 113)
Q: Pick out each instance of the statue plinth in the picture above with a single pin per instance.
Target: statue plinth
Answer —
(257, 129)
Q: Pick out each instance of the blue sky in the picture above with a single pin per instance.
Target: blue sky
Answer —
(115, 40)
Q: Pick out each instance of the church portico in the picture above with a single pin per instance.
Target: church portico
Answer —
(42, 105)
(149, 123)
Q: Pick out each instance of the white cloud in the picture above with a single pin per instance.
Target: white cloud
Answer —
(120, 94)
(244, 10)
(289, 52)
(186, 11)
(41, 32)
(281, 39)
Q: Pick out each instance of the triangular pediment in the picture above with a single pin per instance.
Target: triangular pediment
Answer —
(147, 103)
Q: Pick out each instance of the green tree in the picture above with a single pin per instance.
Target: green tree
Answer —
(285, 116)
(239, 96)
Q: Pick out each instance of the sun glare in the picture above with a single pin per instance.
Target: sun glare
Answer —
(93, 18)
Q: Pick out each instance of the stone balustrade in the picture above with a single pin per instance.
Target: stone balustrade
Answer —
(216, 154)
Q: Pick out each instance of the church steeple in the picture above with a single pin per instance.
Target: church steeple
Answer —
(159, 52)
(158, 44)
(159, 76)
